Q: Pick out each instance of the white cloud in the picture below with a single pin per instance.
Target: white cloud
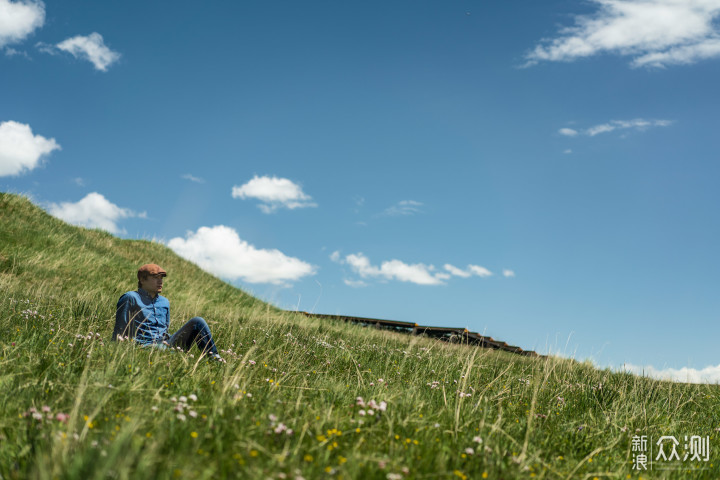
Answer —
(19, 19)
(20, 150)
(404, 207)
(91, 48)
(654, 32)
(681, 55)
(11, 52)
(354, 283)
(418, 273)
(220, 250)
(192, 178)
(361, 264)
(456, 271)
(274, 193)
(597, 129)
(93, 211)
(508, 273)
(480, 271)
(568, 132)
(567, 151)
(709, 374)
(468, 272)
(638, 124)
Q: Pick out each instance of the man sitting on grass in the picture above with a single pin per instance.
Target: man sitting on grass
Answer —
(144, 315)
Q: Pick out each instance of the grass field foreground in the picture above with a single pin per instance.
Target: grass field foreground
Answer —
(298, 397)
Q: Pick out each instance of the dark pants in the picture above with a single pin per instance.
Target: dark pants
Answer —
(196, 330)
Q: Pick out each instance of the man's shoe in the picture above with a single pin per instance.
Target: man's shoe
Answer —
(214, 357)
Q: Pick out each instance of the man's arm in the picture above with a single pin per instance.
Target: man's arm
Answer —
(122, 317)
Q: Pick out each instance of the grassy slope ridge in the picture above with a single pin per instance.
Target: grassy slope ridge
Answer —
(286, 405)
(43, 255)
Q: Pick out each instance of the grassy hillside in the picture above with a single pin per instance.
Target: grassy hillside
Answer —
(75, 405)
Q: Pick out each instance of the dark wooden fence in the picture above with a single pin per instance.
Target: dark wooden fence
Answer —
(447, 334)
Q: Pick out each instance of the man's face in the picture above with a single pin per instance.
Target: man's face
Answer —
(152, 284)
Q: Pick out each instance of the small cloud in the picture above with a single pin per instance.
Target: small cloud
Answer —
(568, 132)
(93, 211)
(456, 271)
(335, 256)
(11, 52)
(404, 207)
(20, 150)
(47, 48)
(417, 273)
(567, 151)
(220, 251)
(638, 124)
(19, 19)
(187, 176)
(468, 272)
(80, 182)
(274, 193)
(354, 283)
(598, 129)
(359, 203)
(91, 48)
(508, 273)
(709, 374)
(480, 271)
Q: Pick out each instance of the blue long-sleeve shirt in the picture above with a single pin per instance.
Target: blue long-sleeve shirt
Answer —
(142, 317)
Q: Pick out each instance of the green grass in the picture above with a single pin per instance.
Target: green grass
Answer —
(122, 415)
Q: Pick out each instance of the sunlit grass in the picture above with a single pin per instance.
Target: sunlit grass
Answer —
(299, 397)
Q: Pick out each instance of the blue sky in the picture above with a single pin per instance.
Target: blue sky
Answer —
(541, 172)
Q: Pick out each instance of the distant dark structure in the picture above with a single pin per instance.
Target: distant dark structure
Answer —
(447, 334)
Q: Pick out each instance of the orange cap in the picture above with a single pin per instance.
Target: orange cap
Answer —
(151, 269)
